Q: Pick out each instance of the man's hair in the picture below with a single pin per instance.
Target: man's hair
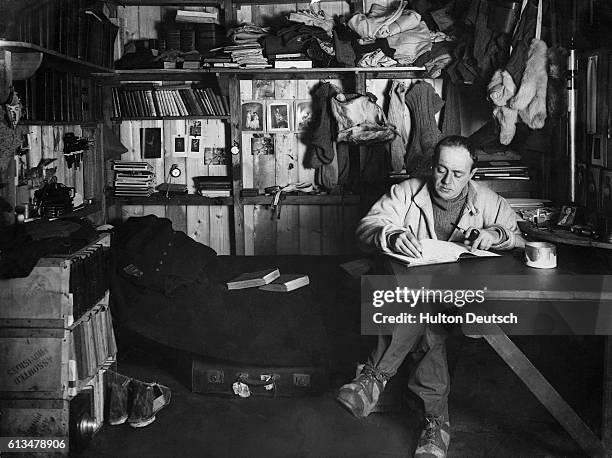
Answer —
(455, 140)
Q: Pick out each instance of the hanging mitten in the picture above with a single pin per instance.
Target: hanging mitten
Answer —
(535, 71)
(501, 88)
(556, 93)
(535, 113)
(507, 120)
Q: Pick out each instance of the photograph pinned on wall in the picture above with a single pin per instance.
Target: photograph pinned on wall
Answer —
(150, 142)
(195, 129)
(180, 146)
(208, 155)
(252, 116)
(262, 144)
(263, 89)
(598, 150)
(284, 89)
(279, 116)
(195, 146)
(303, 115)
(219, 156)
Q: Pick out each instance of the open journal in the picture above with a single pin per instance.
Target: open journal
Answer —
(439, 252)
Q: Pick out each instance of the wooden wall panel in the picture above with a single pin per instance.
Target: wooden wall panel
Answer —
(210, 225)
(47, 142)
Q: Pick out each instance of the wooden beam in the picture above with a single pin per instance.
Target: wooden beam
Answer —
(236, 153)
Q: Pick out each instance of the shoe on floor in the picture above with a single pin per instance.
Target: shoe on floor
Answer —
(361, 395)
(434, 439)
(117, 387)
(146, 400)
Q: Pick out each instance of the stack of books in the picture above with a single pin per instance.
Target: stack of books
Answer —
(213, 186)
(185, 101)
(191, 60)
(133, 179)
(501, 170)
(248, 55)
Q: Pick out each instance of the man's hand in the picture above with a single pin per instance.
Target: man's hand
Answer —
(484, 241)
(405, 243)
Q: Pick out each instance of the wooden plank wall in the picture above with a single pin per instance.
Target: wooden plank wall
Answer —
(47, 142)
(301, 229)
(269, 14)
(206, 224)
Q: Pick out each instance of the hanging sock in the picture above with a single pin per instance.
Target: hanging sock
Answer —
(507, 118)
(399, 116)
(423, 103)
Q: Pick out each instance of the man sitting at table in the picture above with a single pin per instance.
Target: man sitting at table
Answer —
(412, 210)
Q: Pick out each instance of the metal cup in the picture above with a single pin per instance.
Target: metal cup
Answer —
(541, 255)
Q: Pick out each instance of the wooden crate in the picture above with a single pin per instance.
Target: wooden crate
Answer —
(36, 418)
(43, 298)
(34, 363)
(47, 363)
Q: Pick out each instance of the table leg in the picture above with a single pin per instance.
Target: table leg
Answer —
(606, 421)
(546, 394)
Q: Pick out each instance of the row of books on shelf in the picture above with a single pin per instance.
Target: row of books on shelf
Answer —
(501, 170)
(76, 28)
(133, 179)
(168, 102)
(92, 344)
(213, 186)
(58, 96)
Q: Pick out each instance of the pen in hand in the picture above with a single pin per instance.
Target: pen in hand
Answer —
(414, 235)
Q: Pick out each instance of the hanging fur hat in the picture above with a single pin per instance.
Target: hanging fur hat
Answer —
(506, 117)
(501, 88)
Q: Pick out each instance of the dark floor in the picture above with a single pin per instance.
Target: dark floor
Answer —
(492, 413)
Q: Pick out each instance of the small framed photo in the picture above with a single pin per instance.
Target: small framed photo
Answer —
(598, 150)
(262, 144)
(150, 138)
(195, 129)
(263, 89)
(567, 216)
(195, 146)
(279, 116)
(180, 145)
(252, 116)
(303, 115)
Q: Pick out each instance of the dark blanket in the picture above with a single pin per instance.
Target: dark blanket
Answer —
(315, 325)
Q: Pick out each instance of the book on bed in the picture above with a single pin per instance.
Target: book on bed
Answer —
(439, 252)
(286, 283)
(253, 279)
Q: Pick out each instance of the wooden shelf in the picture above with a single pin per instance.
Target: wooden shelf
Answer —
(305, 199)
(262, 73)
(56, 57)
(194, 199)
(560, 236)
(161, 118)
(161, 199)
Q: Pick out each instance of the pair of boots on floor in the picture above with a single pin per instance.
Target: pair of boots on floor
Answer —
(132, 400)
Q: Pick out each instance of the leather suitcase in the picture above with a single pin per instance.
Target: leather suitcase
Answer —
(211, 377)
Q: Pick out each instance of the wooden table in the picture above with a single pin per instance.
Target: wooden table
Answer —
(571, 261)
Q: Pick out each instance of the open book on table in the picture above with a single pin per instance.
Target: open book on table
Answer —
(439, 251)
